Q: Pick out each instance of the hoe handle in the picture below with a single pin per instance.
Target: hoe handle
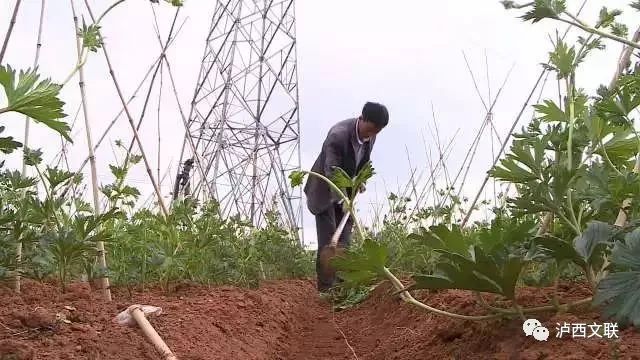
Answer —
(336, 235)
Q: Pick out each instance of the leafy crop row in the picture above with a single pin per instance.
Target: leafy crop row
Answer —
(48, 231)
(59, 235)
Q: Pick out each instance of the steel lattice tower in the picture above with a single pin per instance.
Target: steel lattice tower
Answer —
(243, 125)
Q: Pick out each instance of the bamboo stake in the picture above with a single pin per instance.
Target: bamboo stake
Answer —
(35, 64)
(152, 335)
(12, 23)
(158, 122)
(113, 122)
(104, 281)
(504, 145)
(26, 130)
(136, 136)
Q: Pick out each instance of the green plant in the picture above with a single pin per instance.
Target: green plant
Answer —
(38, 100)
(75, 245)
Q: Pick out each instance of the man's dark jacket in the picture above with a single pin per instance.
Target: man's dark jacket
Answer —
(337, 150)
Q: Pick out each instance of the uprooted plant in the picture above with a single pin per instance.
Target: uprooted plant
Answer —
(575, 167)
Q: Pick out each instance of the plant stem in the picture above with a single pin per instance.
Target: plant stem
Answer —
(571, 104)
(406, 296)
(572, 211)
(518, 309)
(578, 23)
(10, 30)
(82, 59)
(336, 189)
(109, 9)
(570, 81)
(49, 197)
(608, 159)
(570, 223)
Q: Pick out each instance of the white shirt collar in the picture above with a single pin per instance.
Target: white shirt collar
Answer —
(358, 135)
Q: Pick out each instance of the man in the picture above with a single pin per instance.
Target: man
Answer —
(348, 146)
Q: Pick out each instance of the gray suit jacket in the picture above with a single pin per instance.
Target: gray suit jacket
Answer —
(337, 150)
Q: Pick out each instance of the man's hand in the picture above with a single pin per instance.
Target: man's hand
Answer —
(362, 189)
(344, 206)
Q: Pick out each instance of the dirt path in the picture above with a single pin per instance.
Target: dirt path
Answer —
(318, 335)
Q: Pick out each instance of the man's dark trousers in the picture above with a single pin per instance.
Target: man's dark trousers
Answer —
(326, 225)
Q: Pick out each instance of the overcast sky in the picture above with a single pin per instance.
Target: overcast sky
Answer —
(405, 54)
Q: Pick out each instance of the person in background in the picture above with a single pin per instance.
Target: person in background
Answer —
(348, 146)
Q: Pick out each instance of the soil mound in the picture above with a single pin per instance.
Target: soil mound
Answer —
(384, 327)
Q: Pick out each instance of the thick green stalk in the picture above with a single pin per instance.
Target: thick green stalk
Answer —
(344, 197)
(578, 23)
(571, 104)
(500, 312)
(570, 81)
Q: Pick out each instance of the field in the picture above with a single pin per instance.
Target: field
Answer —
(285, 320)
(562, 249)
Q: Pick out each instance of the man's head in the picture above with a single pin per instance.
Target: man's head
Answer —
(374, 118)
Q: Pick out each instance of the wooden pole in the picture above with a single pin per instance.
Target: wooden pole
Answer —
(26, 137)
(12, 23)
(104, 281)
(152, 335)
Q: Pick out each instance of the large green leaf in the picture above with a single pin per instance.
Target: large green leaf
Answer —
(594, 241)
(440, 237)
(37, 100)
(549, 111)
(364, 265)
(57, 177)
(563, 59)
(505, 232)
(543, 9)
(366, 172)
(523, 164)
(483, 273)
(341, 179)
(620, 291)
(596, 127)
(558, 249)
(621, 147)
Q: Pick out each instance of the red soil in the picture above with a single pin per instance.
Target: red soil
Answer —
(284, 320)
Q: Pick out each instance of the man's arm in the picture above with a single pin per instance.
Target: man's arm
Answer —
(332, 149)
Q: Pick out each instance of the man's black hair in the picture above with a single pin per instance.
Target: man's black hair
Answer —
(375, 113)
